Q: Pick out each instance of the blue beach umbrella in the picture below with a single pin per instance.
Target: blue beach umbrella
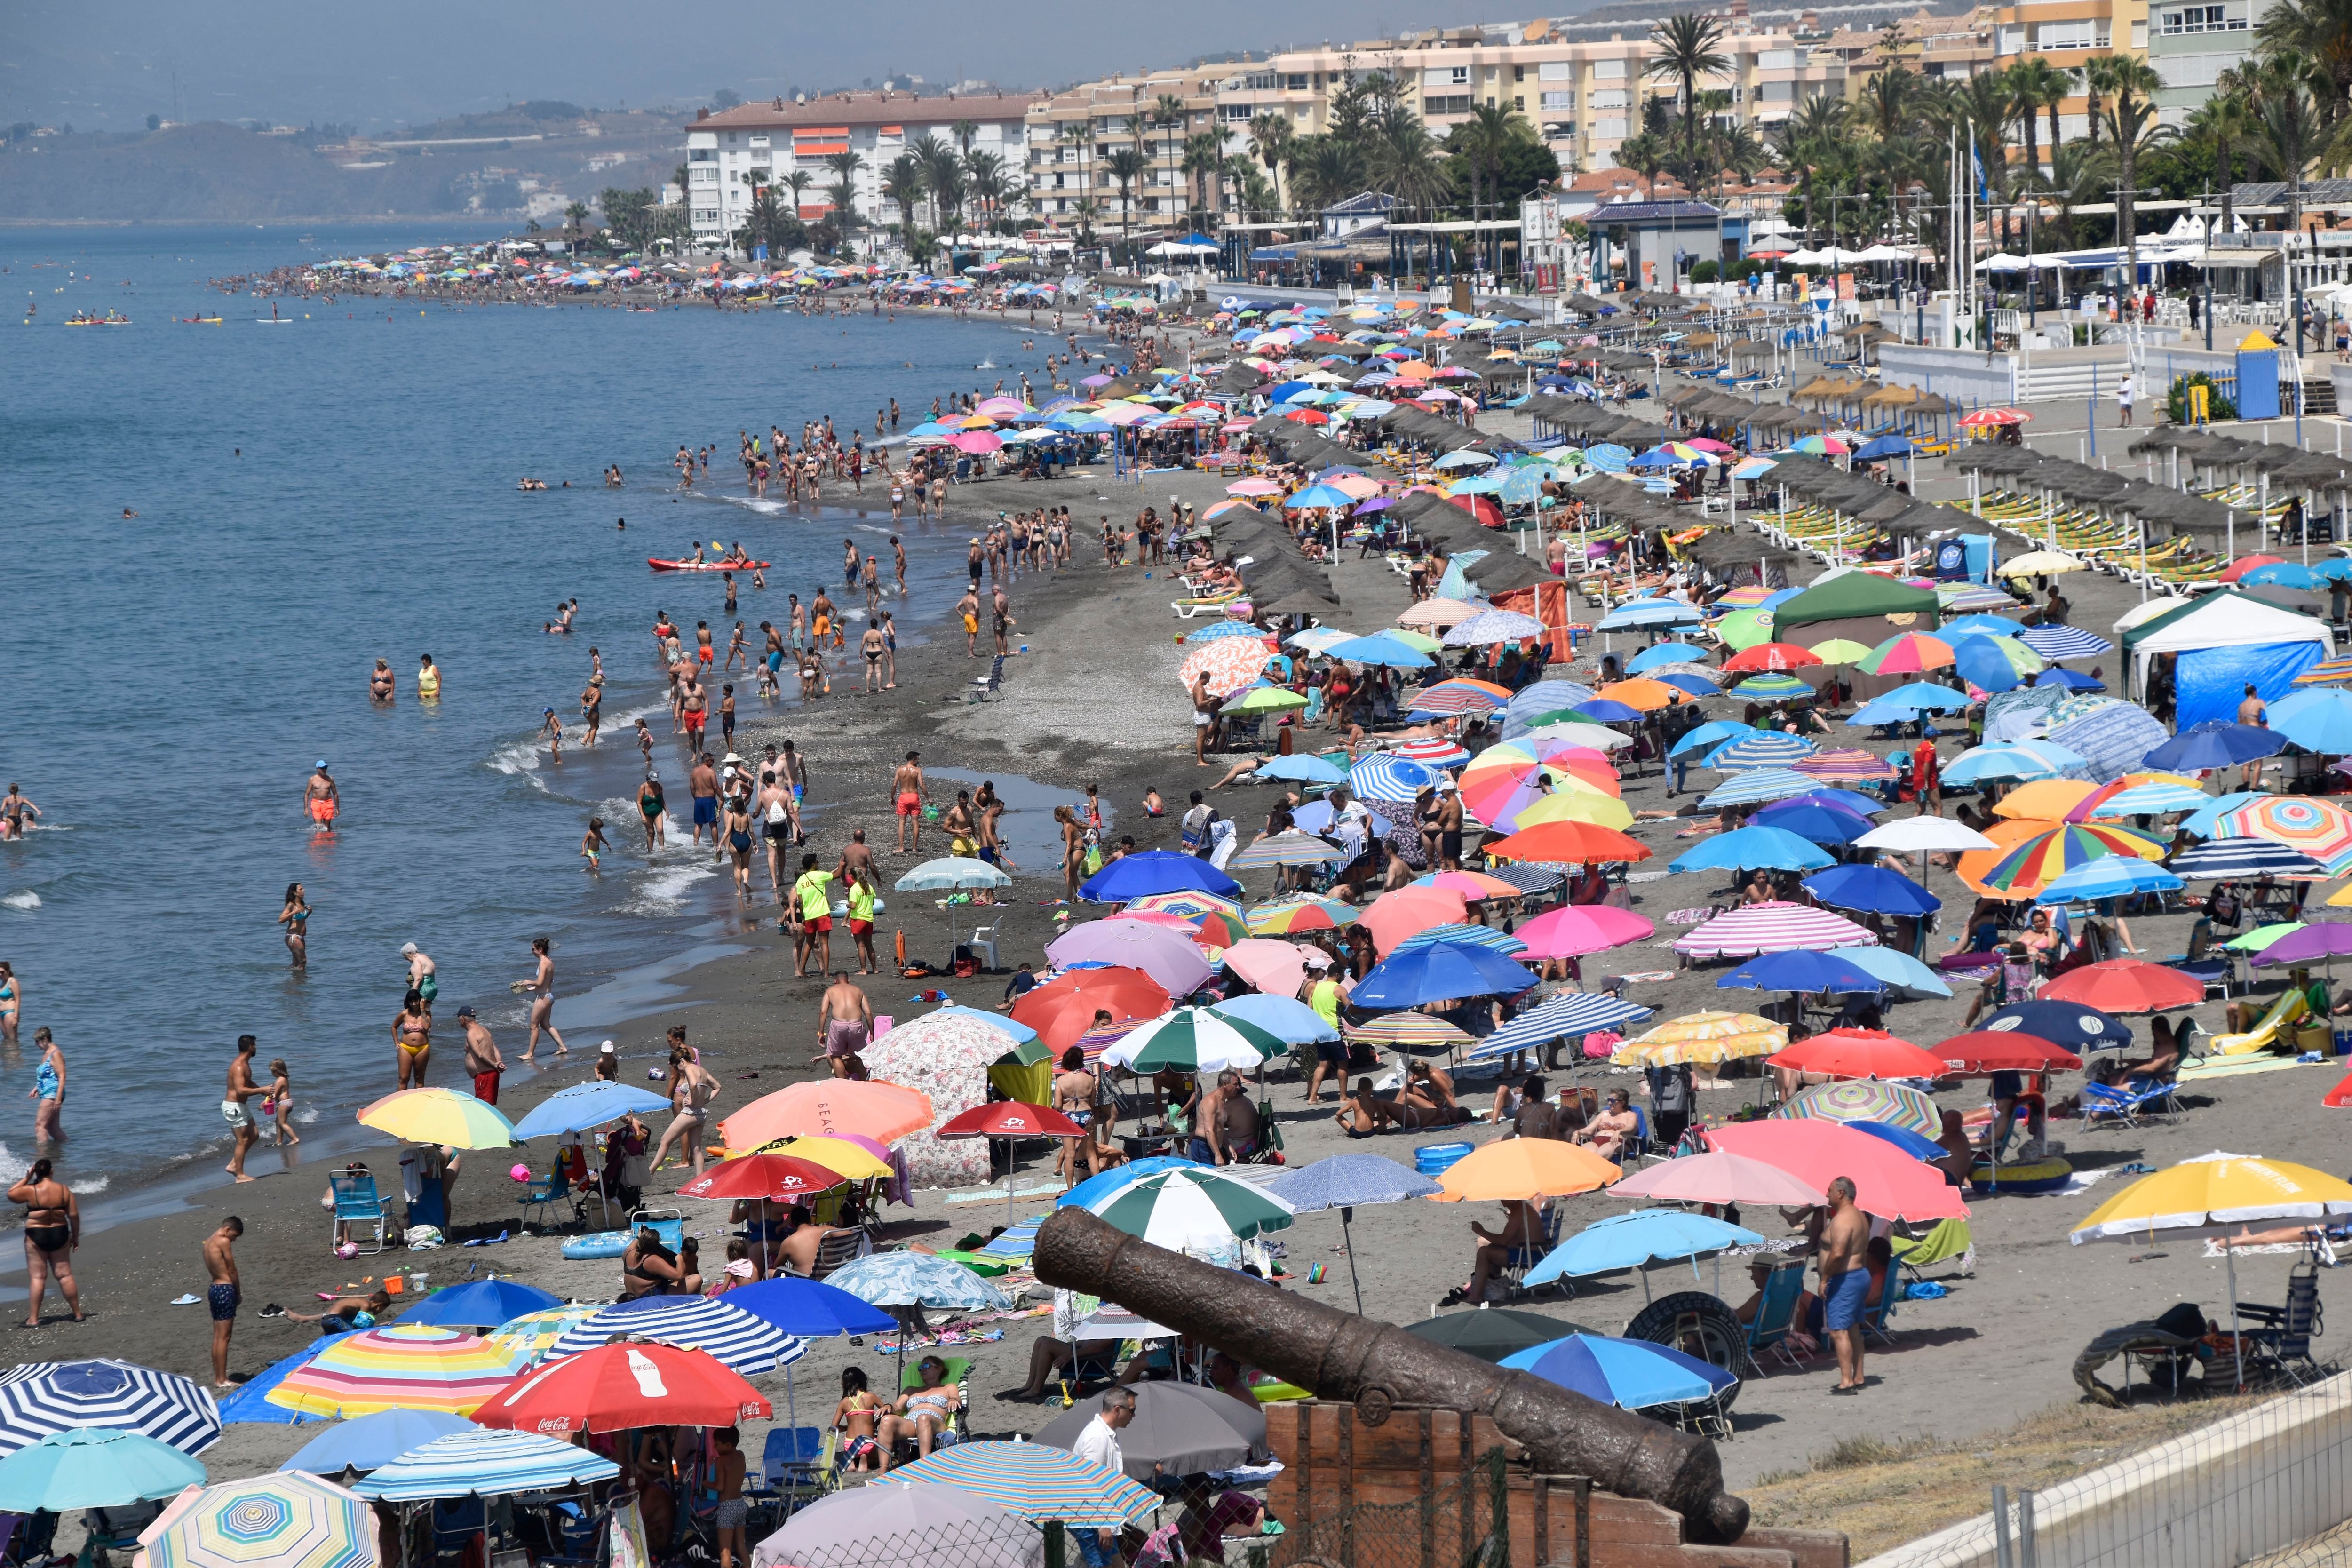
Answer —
(250, 1404)
(1872, 888)
(1216, 630)
(1285, 1017)
(1320, 495)
(482, 1463)
(1925, 697)
(1096, 1188)
(1692, 685)
(1149, 871)
(2067, 1024)
(368, 1442)
(2216, 744)
(2284, 574)
(1488, 937)
(1979, 625)
(2112, 877)
(1803, 970)
(1665, 653)
(1303, 768)
(1752, 848)
(808, 1308)
(579, 1107)
(1378, 649)
(1633, 1375)
(1906, 978)
(1607, 711)
(1441, 972)
(2065, 642)
(2154, 799)
(1981, 663)
(1632, 1240)
(746, 1344)
(1709, 735)
(1850, 800)
(1815, 824)
(1564, 1015)
(2319, 719)
(481, 1304)
(1760, 749)
(94, 1468)
(1758, 785)
(2071, 680)
(1398, 780)
(1903, 1138)
(1649, 613)
(2019, 761)
(2243, 859)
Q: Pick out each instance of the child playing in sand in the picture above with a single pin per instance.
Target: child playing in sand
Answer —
(280, 1101)
(593, 843)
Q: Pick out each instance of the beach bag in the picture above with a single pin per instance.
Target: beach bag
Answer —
(776, 812)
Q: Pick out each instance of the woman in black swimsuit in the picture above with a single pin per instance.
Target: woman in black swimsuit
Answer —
(52, 1230)
(738, 843)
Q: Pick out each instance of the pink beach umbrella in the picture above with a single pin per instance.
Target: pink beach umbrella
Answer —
(1276, 968)
(1171, 957)
(1719, 1177)
(976, 441)
(1582, 928)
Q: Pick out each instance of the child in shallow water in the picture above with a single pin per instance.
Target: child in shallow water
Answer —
(280, 1101)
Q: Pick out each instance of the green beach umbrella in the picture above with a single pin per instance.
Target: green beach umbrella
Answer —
(1190, 1203)
(2260, 937)
(1743, 629)
(1267, 700)
(1194, 1039)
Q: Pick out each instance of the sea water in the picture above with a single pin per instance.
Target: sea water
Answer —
(311, 497)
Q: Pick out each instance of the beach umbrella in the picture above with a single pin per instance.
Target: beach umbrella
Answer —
(250, 1405)
(1906, 978)
(2306, 943)
(1434, 752)
(481, 1304)
(882, 1523)
(1343, 1181)
(93, 1468)
(1639, 695)
(2066, 1024)
(1285, 1017)
(1276, 968)
(1845, 765)
(775, 1178)
(1385, 777)
(1216, 629)
(1262, 699)
(1750, 848)
(1230, 664)
(2004, 1050)
(38, 1398)
(1870, 888)
(1195, 1040)
(1859, 1053)
(407, 1366)
(529, 1336)
(2065, 642)
(1464, 695)
(1169, 957)
(1637, 1239)
(1286, 917)
(1907, 653)
(581, 1105)
(1302, 769)
(478, 1463)
(614, 1387)
(1801, 972)
(1773, 687)
(1573, 930)
(1706, 737)
(1288, 848)
(2245, 859)
(1703, 1038)
(1490, 1333)
(1633, 1375)
(1719, 1177)
(829, 1107)
(952, 872)
(1905, 835)
(1097, 1187)
(1384, 648)
(1565, 1015)
(1758, 785)
(1566, 842)
(1408, 911)
(1411, 1032)
(739, 1341)
(2048, 799)
(1190, 903)
(2117, 877)
(1649, 613)
(1484, 629)
(2319, 828)
(1890, 1183)
(2216, 744)
(2213, 1196)
(2016, 760)
(917, 1279)
(856, 1159)
(1770, 656)
(1770, 927)
(1036, 1480)
(1650, 658)
(443, 1116)
(1177, 1208)
(282, 1519)
(1864, 1099)
(1761, 749)
(2125, 985)
(1987, 663)
(1439, 971)
(1524, 1169)
(2033, 864)
(1178, 1429)
(369, 1442)
(1155, 871)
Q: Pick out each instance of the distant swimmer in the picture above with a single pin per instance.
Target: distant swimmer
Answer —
(321, 799)
(428, 679)
(13, 808)
(563, 614)
(128, 512)
(381, 682)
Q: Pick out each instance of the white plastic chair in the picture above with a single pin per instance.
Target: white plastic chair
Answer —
(983, 940)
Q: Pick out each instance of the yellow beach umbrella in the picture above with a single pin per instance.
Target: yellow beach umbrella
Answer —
(1576, 805)
(439, 1116)
(1524, 1169)
(2214, 1197)
(839, 1155)
(1702, 1038)
(1841, 651)
(2040, 563)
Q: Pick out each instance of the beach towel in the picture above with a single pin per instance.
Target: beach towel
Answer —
(2291, 1006)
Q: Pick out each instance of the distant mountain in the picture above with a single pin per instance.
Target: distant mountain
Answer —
(533, 158)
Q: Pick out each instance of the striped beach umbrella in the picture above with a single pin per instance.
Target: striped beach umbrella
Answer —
(530, 1336)
(1194, 1039)
(1189, 902)
(1844, 765)
(2152, 799)
(1488, 937)
(1702, 1038)
(1771, 927)
(408, 1366)
(1569, 805)
(1772, 688)
(1036, 1480)
(2320, 828)
(38, 1398)
(748, 1345)
(1491, 627)
(1764, 749)
(2329, 672)
(1907, 653)
(2231, 859)
(2016, 760)
(917, 1279)
(2034, 863)
(1286, 917)
(1215, 630)
(1434, 752)
(439, 1116)
(280, 1518)
(1566, 1016)
(1190, 1203)
(1408, 1032)
(2065, 642)
(1758, 785)
(1462, 695)
(1288, 848)
(1864, 1099)
(485, 1464)
(1384, 775)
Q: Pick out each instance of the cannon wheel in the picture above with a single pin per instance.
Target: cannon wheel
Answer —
(1697, 1324)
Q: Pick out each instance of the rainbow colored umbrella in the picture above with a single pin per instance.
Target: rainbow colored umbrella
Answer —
(408, 1366)
(1866, 1100)
(1823, 446)
(1907, 653)
(1293, 915)
(1772, 686)
(281, 1519)
(1189, 903)
(1844, 765)
(530, 1336)
(2034, 863)
(1408, 1031)
(2320, 828)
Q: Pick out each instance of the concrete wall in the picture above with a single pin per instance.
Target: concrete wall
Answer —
(1967, 376)
(2264, 1479)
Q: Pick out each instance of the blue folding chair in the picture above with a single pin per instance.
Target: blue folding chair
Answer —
(357, 1203)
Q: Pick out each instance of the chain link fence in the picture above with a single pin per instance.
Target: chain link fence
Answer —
(2270, 1486)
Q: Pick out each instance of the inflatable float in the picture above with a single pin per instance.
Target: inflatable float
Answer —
(661, 565)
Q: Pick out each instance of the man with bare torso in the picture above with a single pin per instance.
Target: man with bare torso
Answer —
(907, 794)
(320, 800)
(234, 1110)
(702, 784)
(845, 1021)
(856, 860)
(1845, 1281)
(483, 1063)
(221, 1298)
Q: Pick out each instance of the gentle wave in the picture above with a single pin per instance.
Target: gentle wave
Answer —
(22, 899)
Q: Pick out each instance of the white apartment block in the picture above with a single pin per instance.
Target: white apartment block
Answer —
(773, 138)
(1072, 132)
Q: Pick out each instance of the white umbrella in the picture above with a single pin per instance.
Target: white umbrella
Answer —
(1907, 834)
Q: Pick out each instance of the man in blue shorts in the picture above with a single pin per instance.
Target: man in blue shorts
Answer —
(1845, 1281)
(221, 1300)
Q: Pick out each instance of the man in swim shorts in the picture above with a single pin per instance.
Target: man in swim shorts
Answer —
(482, 1059)
(845, 1021)
(319, 796)
(1845, 1281)
(906, 793)
(221, 1298)
(703, 784)
(235, 1112)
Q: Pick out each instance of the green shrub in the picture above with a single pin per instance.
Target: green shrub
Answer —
(2219, 405)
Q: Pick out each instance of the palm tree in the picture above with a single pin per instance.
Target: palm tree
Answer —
(1204, 164)
(1168, 113)
(1270, 136)
(797, 181)
(1079, 134)
(1127, 165)
(1889, 100)
(1481, 141)
(1647, 156)
(2035, 85)
(2128, 87)
(1809, 139)
(2316, 32)
(575, 220)
(1687, 46)
(1404, 163)
(984, 176)
(941, 173)
(902, 184)
(964, 133)
(844, 167)
(2287, 114)
(1255, 194)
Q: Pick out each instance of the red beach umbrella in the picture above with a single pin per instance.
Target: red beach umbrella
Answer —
(2125, 985)
(1063, 1007)
(1009, 1119)
(1859, 1053)
(777, 1177)
(1769, 656)
(1998, 1050)
(615, 1388)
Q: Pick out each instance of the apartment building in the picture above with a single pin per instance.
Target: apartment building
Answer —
(1072, 133)
(1583, 93)
(1941, 47)
(774, 138)
(2067, 33)
(2192, 45)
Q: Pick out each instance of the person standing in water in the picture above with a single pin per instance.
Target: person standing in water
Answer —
(294, 917)
(411, 1038)
(320, 799)
(540, 987)
(424, 977)
(48, 1090)
(382, 683)
(428, 679)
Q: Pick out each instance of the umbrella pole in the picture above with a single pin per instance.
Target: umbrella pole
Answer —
(1347, 1235)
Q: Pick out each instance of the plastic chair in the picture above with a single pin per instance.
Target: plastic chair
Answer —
(983, 940)
(1775, 1315)
(540, 1194)
(2128, 1106)
(357, 1203)
(984, 687)
(2283, 1334)
(1522, 1258)
(1875, 1319)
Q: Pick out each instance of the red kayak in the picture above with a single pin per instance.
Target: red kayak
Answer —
(706, 565)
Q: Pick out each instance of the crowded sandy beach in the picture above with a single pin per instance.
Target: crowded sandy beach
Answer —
(1803, 924)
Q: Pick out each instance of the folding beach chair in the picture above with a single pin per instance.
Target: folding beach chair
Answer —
(357, 1203)
(2128, 1106)
(2283, 1335)
(1776, 1314)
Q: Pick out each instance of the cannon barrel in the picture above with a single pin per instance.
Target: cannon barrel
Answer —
(1379, 1366)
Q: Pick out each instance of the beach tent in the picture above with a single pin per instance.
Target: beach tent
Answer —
(2226, 641)
(1859, 607)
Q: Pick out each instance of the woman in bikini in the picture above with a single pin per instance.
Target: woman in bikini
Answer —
(12, 1002)
(1074, 850)
(923, 1413)
(293, 917)
(412, 1032)
(52, 1230)
(540, 987)
(858, 1418)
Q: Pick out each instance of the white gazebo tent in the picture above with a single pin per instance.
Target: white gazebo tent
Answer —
(2226, 619)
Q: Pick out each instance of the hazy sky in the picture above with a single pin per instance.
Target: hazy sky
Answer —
(289, 62)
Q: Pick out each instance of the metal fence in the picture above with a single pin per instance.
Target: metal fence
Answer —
(2272, 1485)
(1462, 1522)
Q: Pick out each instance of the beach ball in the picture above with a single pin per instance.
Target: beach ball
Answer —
(521, 1172)
(348, 1249)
